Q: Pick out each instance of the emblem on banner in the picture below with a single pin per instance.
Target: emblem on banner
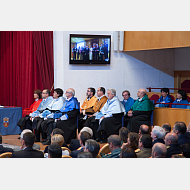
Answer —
(6, 122)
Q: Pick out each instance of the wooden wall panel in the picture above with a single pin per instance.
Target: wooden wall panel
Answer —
(144, 40)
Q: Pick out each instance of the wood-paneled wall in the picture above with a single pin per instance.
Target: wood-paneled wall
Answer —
(144, 40)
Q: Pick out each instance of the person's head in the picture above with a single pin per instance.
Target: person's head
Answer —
(181, 94)
(70, 93)
(186, 150)
(123, 134)
(128, 153)
(180, 128)
(1, 139)
(28, 139)
(37, 94)
(145, 141)
(166, 127)
(159, 150)
(84, 155)
(90, 92)
(87, 129)
(92, 146)
(58, 92)
(101, 91)
(126, 94)
(143, 129)
(133, 140)
(57, 139)
(21, 135)
(164, 92)
(141, 93)
(45, 93)
(171, 138)
(54, 151)
(114, 142)
(111, 93)
(83, 137)
(57, 131)
(158, 133)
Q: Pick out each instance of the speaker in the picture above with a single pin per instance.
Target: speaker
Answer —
(115, 40)
(121, 40)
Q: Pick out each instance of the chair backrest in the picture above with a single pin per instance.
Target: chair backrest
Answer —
(6, 155)
(154, 97)
(105, 149)
(66, 156)
(65, 148)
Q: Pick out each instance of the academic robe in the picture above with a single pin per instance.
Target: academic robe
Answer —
(113, 110)
(128, 104)
(70, 109)
(168, 99)
(180, 102)
(89, 103)
(141, 114)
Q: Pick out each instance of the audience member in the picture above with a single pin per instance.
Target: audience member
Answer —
(110, 116)
(171, 141)
(54, 151)
(181, 99)
(180, 129)
(159, 150)
(140, 111)
(123, 134)
(166, 127)
(145, 146)
(114, 146)
(2, 148)
(85, 155)
(186, 150)
(158, 134)
(144, 129)
(128, 153)
(92, 146)
(28, 151)
(82, 139)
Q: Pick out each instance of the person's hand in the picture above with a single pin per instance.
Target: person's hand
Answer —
(130, 113)
(124, 145)
(102, 118)
(89, 116)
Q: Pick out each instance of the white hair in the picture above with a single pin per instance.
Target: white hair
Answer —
(113, 91)
(25, 131)
(159, 132)
(72, 91)
(87, 129)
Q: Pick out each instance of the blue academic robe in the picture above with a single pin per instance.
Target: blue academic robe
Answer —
(168, 99)
(181, 102)
(128, 104)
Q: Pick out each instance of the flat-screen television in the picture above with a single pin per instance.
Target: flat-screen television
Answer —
(90, 49)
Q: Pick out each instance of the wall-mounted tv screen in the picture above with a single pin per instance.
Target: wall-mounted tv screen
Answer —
(90, 49)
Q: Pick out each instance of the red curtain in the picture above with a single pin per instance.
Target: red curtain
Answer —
(26, 64)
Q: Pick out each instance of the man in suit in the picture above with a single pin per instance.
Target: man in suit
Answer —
(92, 146)
(83, 136)
(2, 148)
(159, 150)
(54, 151)
(166, 127)
(27, 151)
(171, 141)
(144, 129)
(158, 134)
(180, 129)
(145, 146)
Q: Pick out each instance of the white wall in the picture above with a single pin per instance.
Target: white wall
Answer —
(125, 72)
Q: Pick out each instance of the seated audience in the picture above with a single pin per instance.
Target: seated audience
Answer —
(166, 127)
(171, 141)
(145, 146)
(128, 153)
(110, 117)
(123, 134)
(158, 134)
(85, 155)
(92, 146)
(186, 150)
(180, 129)
(54, 151)
(2, 148)
(114, 146)
(140, 112)
(144, 129)
(25, 122)
(159, 150)
(181, 99)
(132, 141)
(28, 151)
(165, 98)
(83, 136)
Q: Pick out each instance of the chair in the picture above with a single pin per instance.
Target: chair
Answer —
(65, 148)
(98, 156)
(105, 149)
(6, 155)
(154, 97)
(66, 156)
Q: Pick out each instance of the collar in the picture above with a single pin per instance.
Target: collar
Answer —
(36, 99)
(68, 98)
(99, 98)
(179, 100)
(140, 99)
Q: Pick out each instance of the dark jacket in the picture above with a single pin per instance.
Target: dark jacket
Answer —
(173, 149)
(74, 153)
(182, 139)
(144, 153)
(28, 152)
(114, 154)
(158, 141)
(5, 149)
(74, 145)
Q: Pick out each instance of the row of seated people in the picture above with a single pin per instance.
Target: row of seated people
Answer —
(102, 114)
(159, 143)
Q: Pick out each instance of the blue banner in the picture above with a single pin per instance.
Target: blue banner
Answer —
(9, 118)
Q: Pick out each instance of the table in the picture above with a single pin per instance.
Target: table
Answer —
(9, 118)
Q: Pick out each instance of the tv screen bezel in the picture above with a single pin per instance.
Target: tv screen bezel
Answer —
(89, 62)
